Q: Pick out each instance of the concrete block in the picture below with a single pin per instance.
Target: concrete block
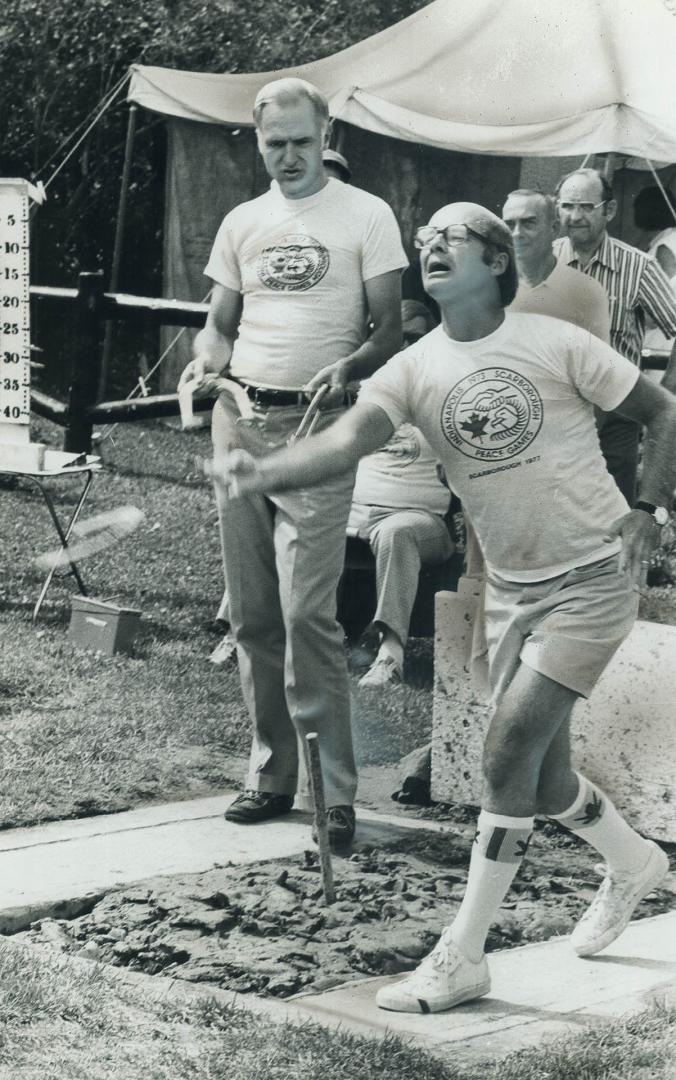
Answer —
(623, 737)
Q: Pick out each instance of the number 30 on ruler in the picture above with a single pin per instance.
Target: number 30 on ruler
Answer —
(14, 304)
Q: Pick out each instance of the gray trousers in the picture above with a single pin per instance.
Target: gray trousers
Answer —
(401, 541)
(283, 556)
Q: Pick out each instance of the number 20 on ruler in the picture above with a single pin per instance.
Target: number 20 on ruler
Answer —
(14, 304)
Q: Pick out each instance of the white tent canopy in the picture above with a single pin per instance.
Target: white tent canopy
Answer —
(517, 77)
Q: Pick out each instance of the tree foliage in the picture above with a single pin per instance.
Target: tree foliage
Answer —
(61, 58)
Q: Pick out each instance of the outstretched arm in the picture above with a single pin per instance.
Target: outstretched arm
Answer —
(336, 450)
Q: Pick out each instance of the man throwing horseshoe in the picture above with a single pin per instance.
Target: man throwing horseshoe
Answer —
(297, 272)
(506, 401)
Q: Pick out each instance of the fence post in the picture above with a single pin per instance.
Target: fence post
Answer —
(86, 362)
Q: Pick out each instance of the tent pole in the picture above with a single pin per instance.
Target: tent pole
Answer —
(609, 166)
(339, 136)
(117, 247)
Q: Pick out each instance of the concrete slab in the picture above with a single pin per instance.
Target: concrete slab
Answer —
(66, 860)
(538, 991)
(56, 869)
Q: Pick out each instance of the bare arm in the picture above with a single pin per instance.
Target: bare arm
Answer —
(334, 451)
(667, 260)
(669, 378)
(650, 405)
(383, 297)
(213, 344)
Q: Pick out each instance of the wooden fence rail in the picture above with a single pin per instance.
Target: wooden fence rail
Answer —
(91, 308)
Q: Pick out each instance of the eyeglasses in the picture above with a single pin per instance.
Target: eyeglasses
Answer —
(452, 235)
(583, 207)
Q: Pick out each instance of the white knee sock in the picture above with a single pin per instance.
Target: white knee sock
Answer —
(593, 818)
(499, 846)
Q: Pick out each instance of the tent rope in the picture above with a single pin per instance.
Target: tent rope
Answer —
(110, 94)
(107, 102)
(141, 385)
(662, 189)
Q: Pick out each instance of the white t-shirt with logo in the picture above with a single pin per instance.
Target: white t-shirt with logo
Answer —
(402, 475)
(510, 417)
(301, 265)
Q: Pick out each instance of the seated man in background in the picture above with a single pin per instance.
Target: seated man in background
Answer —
(398, 506)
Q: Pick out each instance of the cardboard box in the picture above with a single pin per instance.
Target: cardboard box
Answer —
(102, 626)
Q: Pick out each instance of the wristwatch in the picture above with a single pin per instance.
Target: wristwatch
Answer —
(659, 514)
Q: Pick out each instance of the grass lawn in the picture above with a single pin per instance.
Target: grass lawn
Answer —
(66, 1022)
(82, 734)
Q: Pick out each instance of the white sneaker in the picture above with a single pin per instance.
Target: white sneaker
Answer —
(384, 671)
(225, 651)
(444, 978)
(613, 906)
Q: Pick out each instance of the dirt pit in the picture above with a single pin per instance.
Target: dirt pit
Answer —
(265, 929)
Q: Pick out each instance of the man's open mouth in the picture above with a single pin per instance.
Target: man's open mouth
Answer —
(436, 266)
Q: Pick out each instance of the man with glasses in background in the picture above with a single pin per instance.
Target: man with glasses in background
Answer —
(505, 400)
(548, 287)
(636, 287)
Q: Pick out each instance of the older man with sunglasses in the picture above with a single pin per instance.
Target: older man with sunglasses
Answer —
(506, 401)
(636, 288)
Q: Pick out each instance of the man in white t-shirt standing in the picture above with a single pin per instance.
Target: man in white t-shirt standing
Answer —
(297, 272)
(506, 401)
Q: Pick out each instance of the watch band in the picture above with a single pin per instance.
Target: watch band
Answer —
(659, 514)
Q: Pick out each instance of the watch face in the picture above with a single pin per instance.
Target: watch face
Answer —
(661, 515)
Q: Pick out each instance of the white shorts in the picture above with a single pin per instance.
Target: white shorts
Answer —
(567, 627)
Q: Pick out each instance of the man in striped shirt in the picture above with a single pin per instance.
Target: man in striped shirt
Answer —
(636, 287)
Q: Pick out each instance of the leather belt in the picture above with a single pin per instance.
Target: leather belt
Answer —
(264, 396)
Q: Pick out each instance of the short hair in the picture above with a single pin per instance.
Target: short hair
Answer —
(654, 209)
(606, 186)
(549, 200)
(289, 92)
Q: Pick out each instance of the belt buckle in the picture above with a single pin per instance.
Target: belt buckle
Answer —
(257, 395)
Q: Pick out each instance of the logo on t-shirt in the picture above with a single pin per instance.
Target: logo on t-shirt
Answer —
(492, 414)
(294, 264)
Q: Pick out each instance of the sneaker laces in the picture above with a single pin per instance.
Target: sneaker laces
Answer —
(444, 956)
(612, 879)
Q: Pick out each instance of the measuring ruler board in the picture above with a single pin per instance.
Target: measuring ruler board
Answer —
(14, 312)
